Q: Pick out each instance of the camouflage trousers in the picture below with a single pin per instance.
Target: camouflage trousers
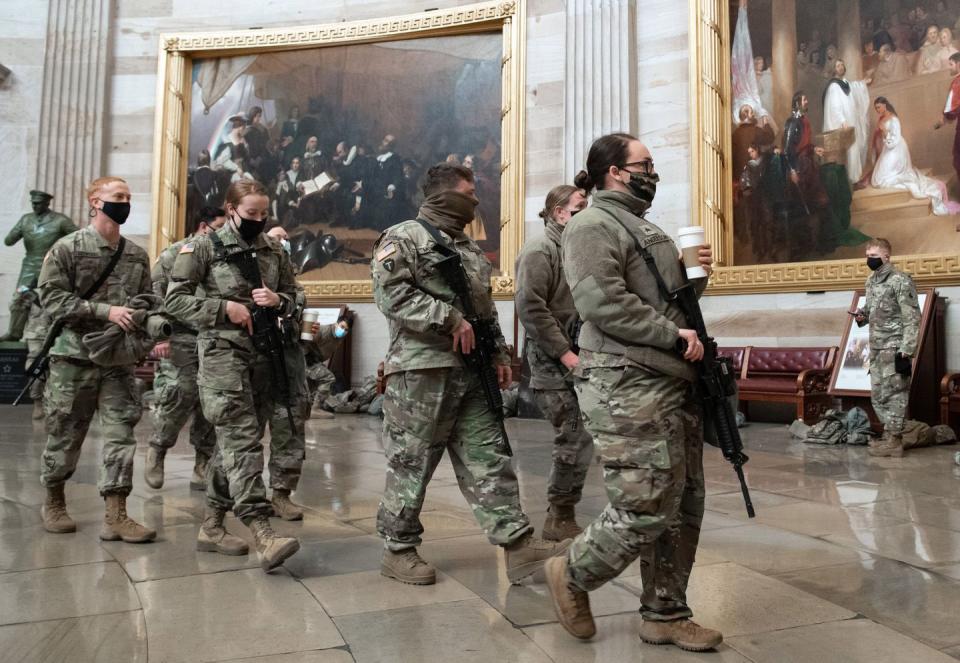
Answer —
(648, 432)
(288, 447)
(176, 399)
(236, 393)
(321, 381)
(33, 349)
(889, 391)
(572, 445)
(427, 412)
(75, 391)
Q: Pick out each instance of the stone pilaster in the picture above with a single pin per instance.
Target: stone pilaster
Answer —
(601, 75)
(74, 102)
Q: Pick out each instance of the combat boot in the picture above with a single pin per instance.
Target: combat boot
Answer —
(572, 605)
(407, 566)
(891, 446)
(284, 507)
(118, 525)
(525, 557)
(55, 517)
(561, 523)
(684, 633)
(214, 537)
(272, 549)
(38, 412)
(198, 481)
(153, 467)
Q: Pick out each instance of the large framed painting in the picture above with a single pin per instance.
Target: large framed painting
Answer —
(817, 125)
(340, 122)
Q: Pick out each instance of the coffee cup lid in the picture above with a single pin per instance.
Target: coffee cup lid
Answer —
(691, 230)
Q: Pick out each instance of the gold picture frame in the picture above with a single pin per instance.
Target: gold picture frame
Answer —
(711, 191)
(172, 124)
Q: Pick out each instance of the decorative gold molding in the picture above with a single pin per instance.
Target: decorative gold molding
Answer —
(711, 189)
(177, 52)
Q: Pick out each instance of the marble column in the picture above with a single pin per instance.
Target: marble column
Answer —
(73, 103)
(848, 37)
(601, 75)
(784, 65)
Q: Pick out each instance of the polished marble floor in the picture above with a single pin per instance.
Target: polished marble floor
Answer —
(850, 559)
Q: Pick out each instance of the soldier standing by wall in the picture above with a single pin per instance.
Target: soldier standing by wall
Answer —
(176, 396)
(209, 291)
(893, 313)
(72, 287)
(635, 388)
(545, 307)
(39, 231)
(433, 402)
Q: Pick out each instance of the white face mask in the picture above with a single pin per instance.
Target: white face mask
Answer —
(285, 243)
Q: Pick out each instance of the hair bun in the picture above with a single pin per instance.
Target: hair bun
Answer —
(583, 181)
(543, 214)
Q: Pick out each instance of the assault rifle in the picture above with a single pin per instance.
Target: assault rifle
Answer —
(38, 367)
(267, 337)
(481, 359)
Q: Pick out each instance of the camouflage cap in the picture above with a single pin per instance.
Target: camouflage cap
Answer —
(39, 196)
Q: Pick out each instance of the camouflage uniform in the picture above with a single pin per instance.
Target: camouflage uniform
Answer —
(432, 401)
(33, 335)
(545, 307)
(236, 385)
(893, 313)
(319, 376)
(635, 391)
(76, 387)
(176, 396)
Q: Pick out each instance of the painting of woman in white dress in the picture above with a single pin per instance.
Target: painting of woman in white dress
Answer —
(894, 169)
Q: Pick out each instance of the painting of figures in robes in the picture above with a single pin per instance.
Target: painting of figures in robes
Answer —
(844, 127)
(342, 135)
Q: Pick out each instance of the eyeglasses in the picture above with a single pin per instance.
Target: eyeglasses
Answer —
(646, 166)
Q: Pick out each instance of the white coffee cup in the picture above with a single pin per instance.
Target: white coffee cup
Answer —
(692, 239)
(306, 325)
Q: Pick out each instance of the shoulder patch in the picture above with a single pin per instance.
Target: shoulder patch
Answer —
(187, 248)
(386, 251)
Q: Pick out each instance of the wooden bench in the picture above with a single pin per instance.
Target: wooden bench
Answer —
(800, 376)
(950, 400)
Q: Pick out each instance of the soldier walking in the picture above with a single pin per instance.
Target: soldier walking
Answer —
(635, 385)
(893, 313)
(87, 279)
(433, 402)
(176, 396)
(545, 307)
(209, 291)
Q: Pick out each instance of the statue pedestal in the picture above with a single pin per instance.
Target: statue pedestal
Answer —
(13, 359)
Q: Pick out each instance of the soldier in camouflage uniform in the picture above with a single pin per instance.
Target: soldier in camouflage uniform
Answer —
(893, 313)
(635, 384)
(433, 403)
(208, 292)
(176, 396)
(320, 378)
(38, 231)
(33, 335)
(545, 307)
(76, 387)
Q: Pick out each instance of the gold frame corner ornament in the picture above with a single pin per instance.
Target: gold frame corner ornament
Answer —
(172, 123)
(711, 192)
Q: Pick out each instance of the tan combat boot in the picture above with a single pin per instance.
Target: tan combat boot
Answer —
(153, 467)
(890, 446)
(55, 517)
(407, 566)
(561, 523)
(684, 633)
(525, 557)
(214, 537)
(272, 549)
(118, 525)
(38, 413)
(572, 605)
(198, 481)
(284, 507)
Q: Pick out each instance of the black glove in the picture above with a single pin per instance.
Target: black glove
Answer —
(902, 364)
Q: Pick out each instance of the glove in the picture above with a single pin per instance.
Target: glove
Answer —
(902, 364)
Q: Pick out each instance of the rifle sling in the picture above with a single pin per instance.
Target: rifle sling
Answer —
(665, 292)
(451, 252)
(114, 259)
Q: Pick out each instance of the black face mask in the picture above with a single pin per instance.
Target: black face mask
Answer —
(874, 263)
(118, 212)
(644, 186)
(249, 228)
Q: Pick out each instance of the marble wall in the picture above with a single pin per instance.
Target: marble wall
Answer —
(656, 60)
